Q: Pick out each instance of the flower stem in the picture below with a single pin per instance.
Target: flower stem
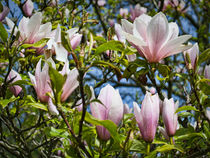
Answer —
(171, 140)
(148, 148)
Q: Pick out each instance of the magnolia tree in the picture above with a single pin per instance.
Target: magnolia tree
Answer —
(103, 78)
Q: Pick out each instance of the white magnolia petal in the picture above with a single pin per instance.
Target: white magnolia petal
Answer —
(127, 26)
(61, 53)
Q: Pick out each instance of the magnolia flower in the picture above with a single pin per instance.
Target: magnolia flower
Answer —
(28, 8)
(4, 13)
(178, 4)
(111, 22)
(55, 42)
(193, 54)
(13, 77)
(71, 82)
(154, 37)
(112, 109)
(31, 30)
(124, 12)
(41, 81)
(169, 116)
(147, 117)
(137, 11)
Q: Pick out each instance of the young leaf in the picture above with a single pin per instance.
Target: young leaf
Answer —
(3, 33)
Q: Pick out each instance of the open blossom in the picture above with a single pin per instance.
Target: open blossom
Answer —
(41, 81)
(13, 77)
(55, 42)
(137, 11)
(147, 117)
(179, 4)
(112, 109)
(170, 118)
(31, 29)
(71, 82)
(193, 54)
(4, 13)
(154, 37)
(28, 8)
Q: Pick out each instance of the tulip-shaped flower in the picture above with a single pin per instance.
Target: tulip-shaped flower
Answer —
(112, 109)
(193, 54)
(154, 37)
(147, 117)
(4, 13)
(137, 11)
(13, 77)
(31, 30)
(55, 42)
(41, 81)
(28, 8)
(169, 116)
(71, 81)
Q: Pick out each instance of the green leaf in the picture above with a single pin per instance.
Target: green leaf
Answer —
(88, 91)
(38, 44)
(110, 45)
(186, 108)
(137, 146)
(116, 69)
(204, 56)
(189, 136)
(57, 81)
(65, 41)
(131, 69)
(39, 106)
(109, 125)
(163, 70)
(53, 132)
(3, 33)
(5, 102)
(185, 114)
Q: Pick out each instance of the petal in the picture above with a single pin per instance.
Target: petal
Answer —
(71, 84)
(173, 30)
(61, 52)
(65, 69)
(116, 109)
(72, 31)
(127, 26)
(119, 33)
(33, 25)
(134, 40)
(75, 40)
(11, 24)
(32, 78)
(174, 46)
(140, 26)
(52, 108)
(137, 113)
(157, 32)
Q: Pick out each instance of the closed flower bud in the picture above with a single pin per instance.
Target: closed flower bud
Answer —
(13, 77)
(28, 8)
(4, 13)
(169, 116)
(147, 117)
(112, 109)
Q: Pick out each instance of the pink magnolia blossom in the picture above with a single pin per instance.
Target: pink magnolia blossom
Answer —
(112, 109)
(137, 11)
(55, 42)
(13, 77)
(193, 54)
(154, 37)
(71, 82)
(4, 13)
(169, 116)
(124, 12)
(147, 117)
(178, 4)
(31, 29)
(41, 81)
(111, 22)
(28, 8)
